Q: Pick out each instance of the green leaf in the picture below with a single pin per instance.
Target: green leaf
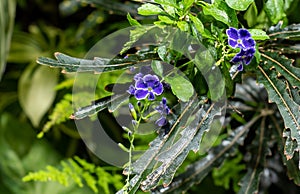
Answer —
(7, 16)
(238, 4)
(100, 105)
(251, 15)
(189, 140)
(183, 26)
(284, 66)
(157, 67)
(221, 12)
(72, 64)
(196, 172)
(135, 34)
(258, 34)
(275, 10)
(36, 91)
(290, 146)
(170, 10)
(181, 87)
(204, 61)
(166, 19)
(288, 108)
(197, 22)
(171, 3)
(230, 85)
(278, 92)
(292, 169)
(290, 32)
(187, 4)
(149, 9)
(132, 22)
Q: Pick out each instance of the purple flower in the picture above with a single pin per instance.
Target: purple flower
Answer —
(162, 121)
(164, 110)
(163, 107)
(138, 76)
(240, 38)
(131, 90)
(244, 57)
(148, 86)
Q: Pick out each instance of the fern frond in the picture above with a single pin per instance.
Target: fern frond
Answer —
(60, 114)
(79, 171)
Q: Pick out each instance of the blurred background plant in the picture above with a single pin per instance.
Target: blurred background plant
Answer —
(29, 93)
(35, 99)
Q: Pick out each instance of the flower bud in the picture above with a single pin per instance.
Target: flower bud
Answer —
(132, 111)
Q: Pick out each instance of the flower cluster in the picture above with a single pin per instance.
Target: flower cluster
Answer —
(146, 86)
(241, 39)
(164, 110)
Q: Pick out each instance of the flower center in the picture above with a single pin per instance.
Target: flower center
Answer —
(149, 89)
(239, 41)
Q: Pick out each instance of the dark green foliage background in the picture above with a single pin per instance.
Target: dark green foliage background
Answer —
(42, 28)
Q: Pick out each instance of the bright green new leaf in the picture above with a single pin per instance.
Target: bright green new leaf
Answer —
(221, 12)
(170, 10)
(197, 22)
(149, 9)
(132, 21)
(171, 3)
(135, 35)
(258, 34)
(181, 87)
(187, 4)
(183, 26)
(239, 5)
(166, 19)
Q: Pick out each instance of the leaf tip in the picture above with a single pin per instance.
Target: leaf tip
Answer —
(56, 54)
(40, 135)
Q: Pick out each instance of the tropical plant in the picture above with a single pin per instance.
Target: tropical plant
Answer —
(217, 78)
